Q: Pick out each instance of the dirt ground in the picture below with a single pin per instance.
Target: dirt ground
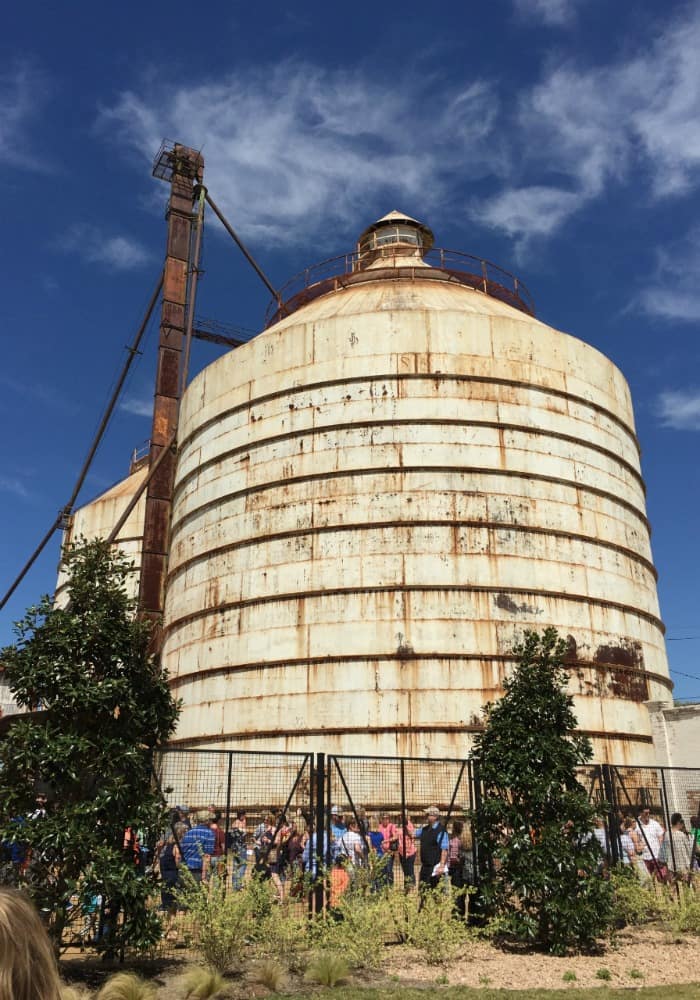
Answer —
(655, 956)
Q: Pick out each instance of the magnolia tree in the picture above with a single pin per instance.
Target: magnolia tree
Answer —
(99, 707)
(542, 877)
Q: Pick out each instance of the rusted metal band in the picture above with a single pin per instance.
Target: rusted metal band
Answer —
(411, 589)
(349, 425)
(384, 471)
(309, 661)
(325, 529)
(293, 390)
(266, 734)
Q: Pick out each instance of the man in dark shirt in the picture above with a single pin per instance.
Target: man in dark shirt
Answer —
(434, 845)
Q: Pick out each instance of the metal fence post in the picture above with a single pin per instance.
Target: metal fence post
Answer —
(612, 825)
(319, 818)
(667, 817)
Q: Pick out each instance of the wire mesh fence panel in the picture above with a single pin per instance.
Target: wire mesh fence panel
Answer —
(388, 799)
(233, 781)
(399, 788)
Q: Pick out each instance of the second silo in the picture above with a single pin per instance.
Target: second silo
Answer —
(378, 494)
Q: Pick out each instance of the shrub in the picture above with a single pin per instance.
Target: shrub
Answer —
(635, 902)
(355, 930)
(327, 969)
(224, 923)
(682, 912)
(605, 974)
(202, 984)
(636, 974)
(127, 986)
(271, 975)
(431, 928)
(284, 936)
(569, 976)
(534, 819)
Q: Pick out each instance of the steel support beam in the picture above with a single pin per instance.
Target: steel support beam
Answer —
(186, 168)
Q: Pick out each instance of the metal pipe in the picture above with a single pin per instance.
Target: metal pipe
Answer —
(192, 292)
(246, 253)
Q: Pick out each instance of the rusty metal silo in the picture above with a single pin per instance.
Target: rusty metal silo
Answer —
(378, 494)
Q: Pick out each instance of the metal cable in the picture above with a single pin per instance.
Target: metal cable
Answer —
(67, 509)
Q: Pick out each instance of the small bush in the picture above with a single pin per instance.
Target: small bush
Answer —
(356, 930)
(432, 927)
(682, 911)
(271, 975)
(635, 902)
(636, 974)
(202, 984)
(127, 986)
(569, 976)
(284, 937)
(327, 969)
(605, 974)
(223, 923)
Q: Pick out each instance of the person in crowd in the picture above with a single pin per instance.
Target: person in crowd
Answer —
(238, 846)
(628, 849)
(695, 840)
(406, 852)
(181, 814)
(169, 861)
(351, 846)
(375, 839)
(652, 835)
(390, 844)
(197, 848)
(295, 869)
(263, 844)
(309, 856)
(40, 811)
(678, 855)
(338, 826)
(278, 858)
(455, 855)
(131, 846)
(362, 822)
(218, 858)
(434, 848)
(630, 824)
(27, 964)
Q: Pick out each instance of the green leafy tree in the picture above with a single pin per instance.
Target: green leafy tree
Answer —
(543, 880)
(99, 707)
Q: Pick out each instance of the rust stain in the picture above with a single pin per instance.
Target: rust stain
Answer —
(506, 603)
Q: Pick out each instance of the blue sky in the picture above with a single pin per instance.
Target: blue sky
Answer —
(559, 138)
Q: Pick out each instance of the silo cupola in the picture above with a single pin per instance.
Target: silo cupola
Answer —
(394, 235)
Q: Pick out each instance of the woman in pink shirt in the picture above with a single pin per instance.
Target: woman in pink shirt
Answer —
(407, 852)
(390, 845)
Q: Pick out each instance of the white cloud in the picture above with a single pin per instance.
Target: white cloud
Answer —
(537, 211)
(137, 407)
(672, 291)
(552, 12)
(23, 92)
(292, 149)
(585, 128)
(680, 409)
(10, 485)
(119, 252)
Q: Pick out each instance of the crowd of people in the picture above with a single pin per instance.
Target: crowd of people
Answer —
(646, 847)
(287, 851)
